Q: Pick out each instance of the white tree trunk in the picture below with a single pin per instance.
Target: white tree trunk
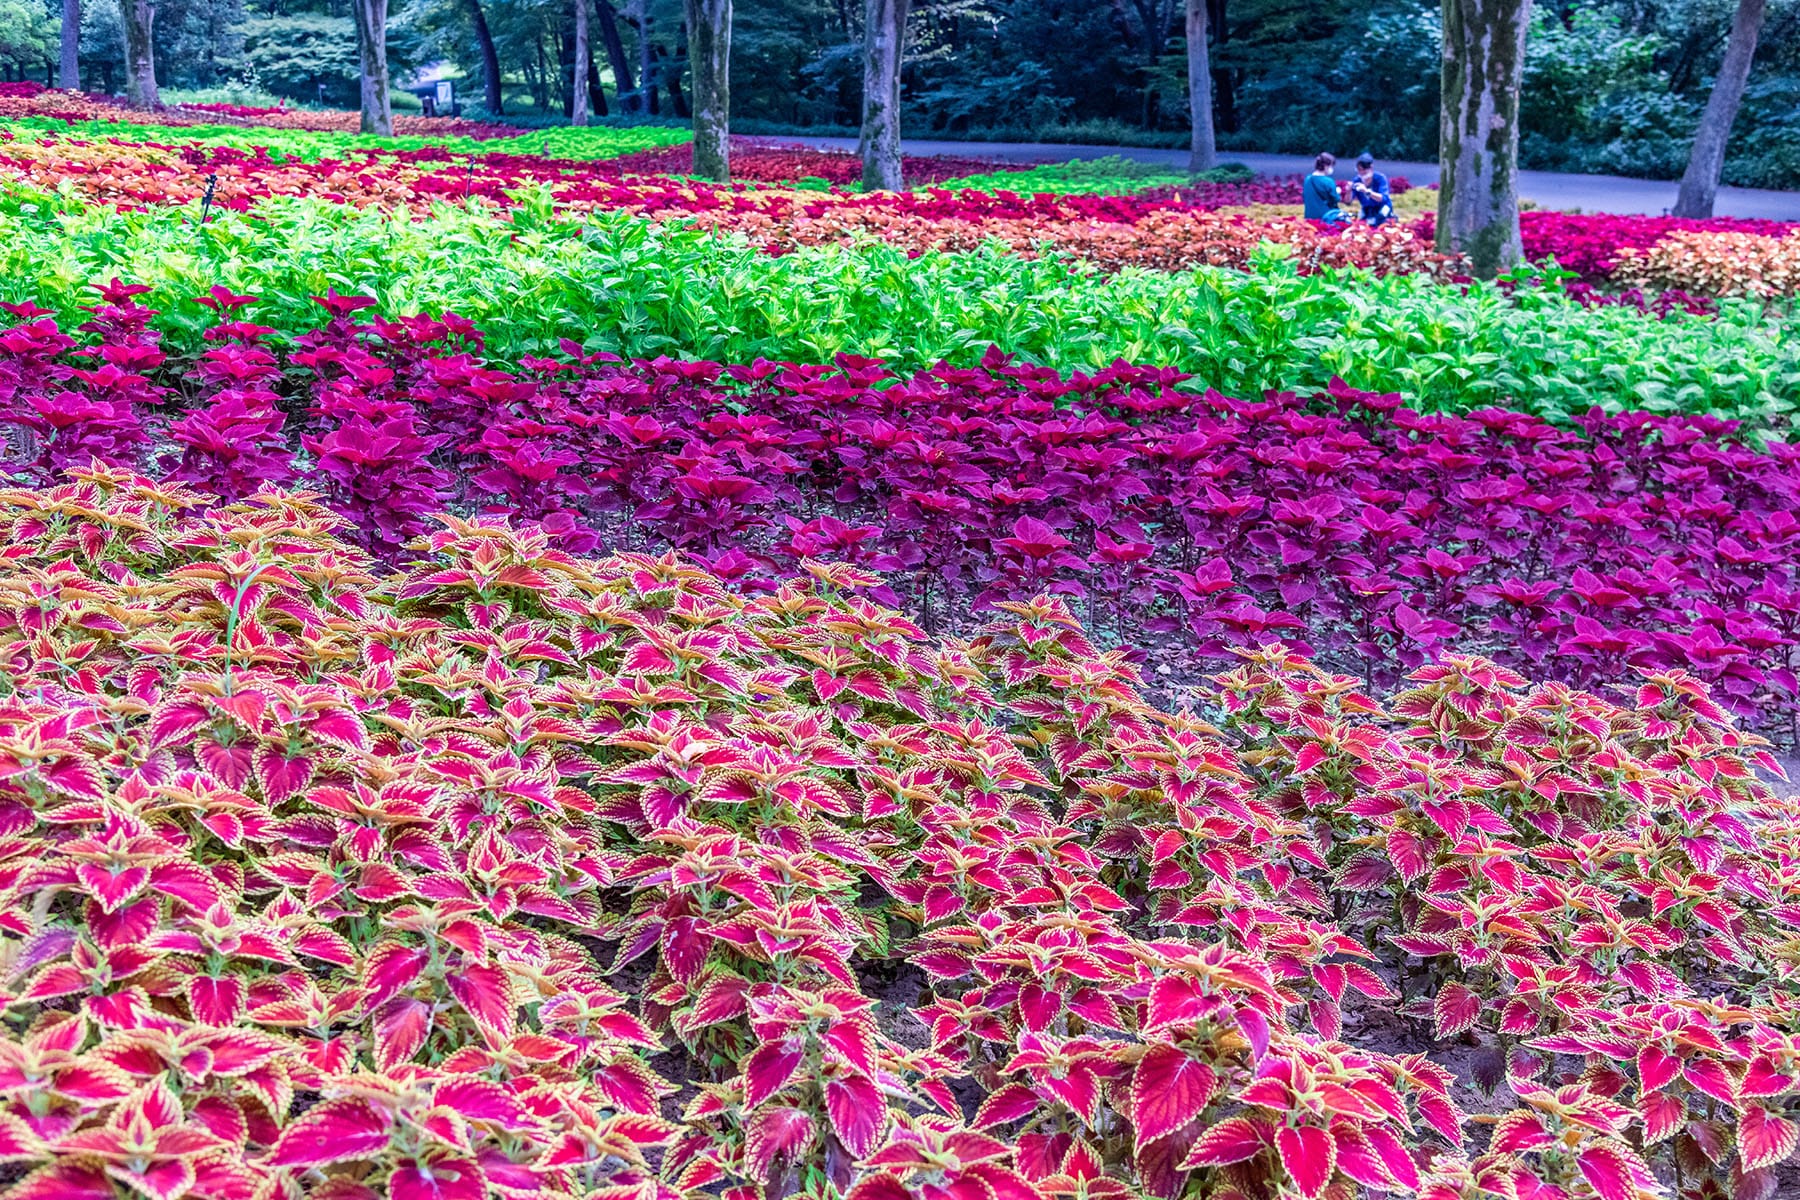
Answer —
(884, 41)
(371, 47)
(1706, 161)
(140, 52)
(578, 114)
(1478, 141)
(1203, 153)
(709, 62)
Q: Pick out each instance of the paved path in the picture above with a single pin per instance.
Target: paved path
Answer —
(1589, 193)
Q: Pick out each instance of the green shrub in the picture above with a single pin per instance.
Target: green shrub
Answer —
(640, 287)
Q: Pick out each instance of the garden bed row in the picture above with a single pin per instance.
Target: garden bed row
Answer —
(1219, 224)
(1186, 525)
(644, 288)
(520, 873)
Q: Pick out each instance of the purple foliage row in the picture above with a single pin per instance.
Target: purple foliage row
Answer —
(1183, 523)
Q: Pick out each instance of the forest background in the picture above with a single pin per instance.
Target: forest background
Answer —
(1611, 86)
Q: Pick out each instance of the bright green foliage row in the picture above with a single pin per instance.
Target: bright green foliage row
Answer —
(567, 141)
(1112, 176)
(645, 288)
(1109, 176)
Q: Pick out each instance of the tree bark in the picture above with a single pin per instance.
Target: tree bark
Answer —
(1700, 182)
(1224, 85)
(1478, 134)
(1203, 151)
(596, 92)
(884, 41)
(623, 87)
(640, 17)
(584, 64)
(709, 67)
(140, 52)
(670, 74)
(70, 76)
(371, 48)
(490, 59)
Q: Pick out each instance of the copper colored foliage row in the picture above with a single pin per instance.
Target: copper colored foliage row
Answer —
(26, 99)
(519, 875)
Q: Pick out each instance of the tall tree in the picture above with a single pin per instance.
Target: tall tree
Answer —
(490, 59)
(709, 64)
(629, 101)
(639, 15)
(70, 76)
(1203, 151)
(371, 49)
(1478, 132)
(884, 40)
(140, 52)
(584, 63)
(1700, 182)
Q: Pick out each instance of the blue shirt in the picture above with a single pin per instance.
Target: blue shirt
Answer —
(1379, 185)
(1321, 195)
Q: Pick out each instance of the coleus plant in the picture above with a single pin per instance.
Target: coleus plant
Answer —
(1370, 535)
(522, 874)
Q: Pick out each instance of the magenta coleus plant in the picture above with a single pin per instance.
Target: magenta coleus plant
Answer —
(1181, 525)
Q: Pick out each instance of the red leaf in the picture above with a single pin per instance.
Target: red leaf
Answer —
(1764, 1138)
(1656, 1067)
(768, 1068)
(1607, 1172)
(1393, 1155)
(1310, 1156)
(1709, 1076)
(332, 1132)
(775, 1133)
(486, 995)
(1168, 1090)
(1231, 1140)
(437, 1179)
(857, 1113)
(1010, 1103)
(1457, 1009)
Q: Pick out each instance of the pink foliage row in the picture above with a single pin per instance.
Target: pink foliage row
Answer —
(1369, 534)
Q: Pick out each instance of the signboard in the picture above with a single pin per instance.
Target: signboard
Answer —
(446, 93)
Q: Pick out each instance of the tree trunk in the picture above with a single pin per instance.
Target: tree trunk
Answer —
(490, 59)
(596, 92)
(71, 46)
(623, 87)
(640, 12)
(670, 75)
(709, 65)
(371, 48)
(1203, 152)
(1478, 135)
(1700, 182)
(1224, 85)
(884, 40)
(140, 52)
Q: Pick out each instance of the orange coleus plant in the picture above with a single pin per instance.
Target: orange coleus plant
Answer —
(515, 874)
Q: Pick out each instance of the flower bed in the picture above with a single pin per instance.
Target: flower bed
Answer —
(1166, 229)
(520, 873)
(528, 279)
(28, 100)
(1189, 524)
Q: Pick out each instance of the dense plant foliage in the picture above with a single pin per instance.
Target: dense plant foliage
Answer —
(1157, 227)
(329, 138)
(1185, 524)
(520, 874)
(641, 288)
